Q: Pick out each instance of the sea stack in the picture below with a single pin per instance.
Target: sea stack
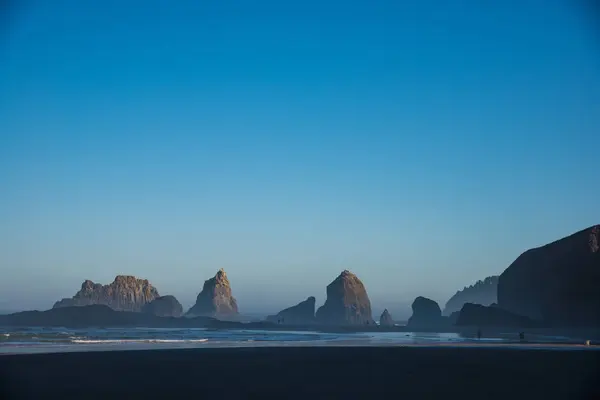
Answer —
(426, 314)
(557, 283)
(300, 314)
(215, 299)
(125, 293)
(347, 302)
(164, 306)
(386, 319)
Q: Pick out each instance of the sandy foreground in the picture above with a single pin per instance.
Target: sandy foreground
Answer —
(406, 372)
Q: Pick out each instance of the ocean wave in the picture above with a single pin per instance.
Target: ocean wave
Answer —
(129, 341)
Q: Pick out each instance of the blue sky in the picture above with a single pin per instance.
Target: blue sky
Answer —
(423, 145)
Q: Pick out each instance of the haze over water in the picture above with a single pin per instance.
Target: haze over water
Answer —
(421, 146)
(44, 340)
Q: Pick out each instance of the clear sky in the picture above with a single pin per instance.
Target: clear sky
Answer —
(422, 145)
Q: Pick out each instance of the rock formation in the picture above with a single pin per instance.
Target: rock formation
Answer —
(557, 283)
(452, 318)
(347, 302)
(164, 306)
(215, 299)
(482, 316)
(426, 314)
(483, 292)
(126, 293)
(300, 314)
(386, 319)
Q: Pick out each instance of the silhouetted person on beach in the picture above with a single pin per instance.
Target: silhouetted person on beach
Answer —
(522, 336)
(478, 334)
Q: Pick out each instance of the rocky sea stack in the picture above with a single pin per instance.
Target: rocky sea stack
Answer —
(301, 313)
(215, 299)
(164, 306)
(125, 293)
(347, 302)
(426, 314)
(386, 319)
(557, 283)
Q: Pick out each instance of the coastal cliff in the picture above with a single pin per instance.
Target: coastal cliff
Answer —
(483, 292)
(557, 283)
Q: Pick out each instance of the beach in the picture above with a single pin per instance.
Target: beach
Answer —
(404, 372)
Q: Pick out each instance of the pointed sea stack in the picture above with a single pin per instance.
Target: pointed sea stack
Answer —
(556, 283)
(126, 293)
(164, 306)
(215, 299)
(347, 302)
(386, 319)
(300, 314)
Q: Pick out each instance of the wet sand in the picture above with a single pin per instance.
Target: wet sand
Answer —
(440, 372)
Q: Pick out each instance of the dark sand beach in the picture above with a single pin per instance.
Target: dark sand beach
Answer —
(307, 373)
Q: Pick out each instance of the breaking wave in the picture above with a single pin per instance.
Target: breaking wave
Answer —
(129, 341)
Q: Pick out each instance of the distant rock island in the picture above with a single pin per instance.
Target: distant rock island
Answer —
(557, 283)
(125, 293)
(300, 314)
(386, 319)
(347, 302)
(164, 306)
(483, 292)
(215, 299)
(426, 314)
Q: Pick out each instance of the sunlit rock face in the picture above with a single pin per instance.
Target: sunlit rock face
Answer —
(125, 293)
(215, 299)
(347, 302)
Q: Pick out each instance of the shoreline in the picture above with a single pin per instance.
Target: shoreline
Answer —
(305, 372)
(583, 332)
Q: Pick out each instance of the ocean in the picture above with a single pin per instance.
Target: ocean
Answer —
(43, 340)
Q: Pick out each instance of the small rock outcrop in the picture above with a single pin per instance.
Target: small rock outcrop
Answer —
(557, 283)
(426, 314)
(452, 318)
(386, 319)
(215, 299)
(300, 314)
(164, 306)
(347, 302)
(125, 293)
(483, 292)
(482, 316)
